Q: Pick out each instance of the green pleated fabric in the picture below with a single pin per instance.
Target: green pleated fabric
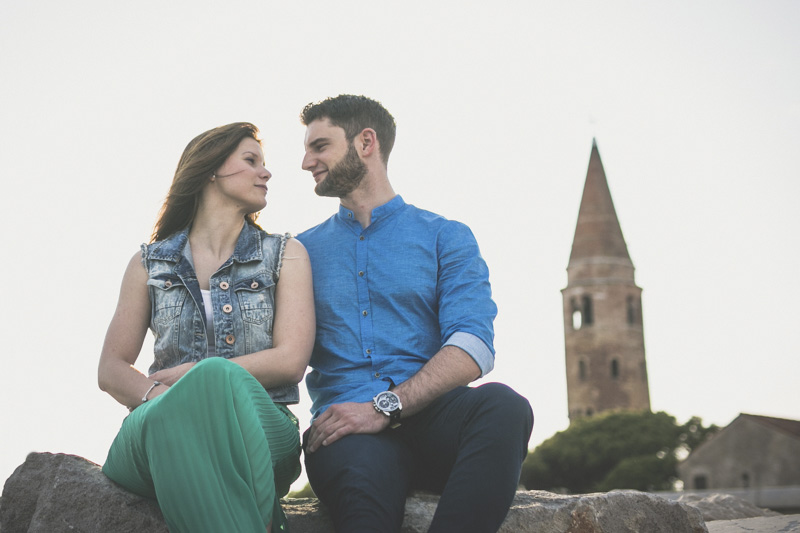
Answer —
(214, 450)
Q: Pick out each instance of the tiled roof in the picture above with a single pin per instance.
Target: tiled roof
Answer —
(791, 427)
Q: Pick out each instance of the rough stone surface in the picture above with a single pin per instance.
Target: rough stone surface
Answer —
(57, 493)
(539, 511)
(771, 524)
(616, 511)
(724, 507)
(54, 493)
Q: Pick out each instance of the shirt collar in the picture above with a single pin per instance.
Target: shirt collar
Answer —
(381, 212)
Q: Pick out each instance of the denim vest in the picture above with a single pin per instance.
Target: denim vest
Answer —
(242, 294)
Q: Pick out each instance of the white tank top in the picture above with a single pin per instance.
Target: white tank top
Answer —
(212, 347)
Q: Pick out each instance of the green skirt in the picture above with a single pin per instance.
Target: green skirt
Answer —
(214, 450)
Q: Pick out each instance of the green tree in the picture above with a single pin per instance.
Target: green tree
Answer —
(305, 492)
(618, 450)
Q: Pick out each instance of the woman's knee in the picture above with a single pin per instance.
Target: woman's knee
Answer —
(215, 368)
(213, 364)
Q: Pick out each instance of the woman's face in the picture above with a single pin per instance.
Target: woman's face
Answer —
(242, 179)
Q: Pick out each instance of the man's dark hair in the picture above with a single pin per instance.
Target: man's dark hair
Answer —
(354, 113)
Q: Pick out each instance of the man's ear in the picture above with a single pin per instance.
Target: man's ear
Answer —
(367, 142)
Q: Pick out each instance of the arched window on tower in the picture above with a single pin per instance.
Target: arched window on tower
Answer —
(588, 314)
(577, 316)
(614, 368)
(582, 370)
(633, 310)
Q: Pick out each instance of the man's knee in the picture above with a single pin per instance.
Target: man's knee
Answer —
(358, 460)
(505, 403)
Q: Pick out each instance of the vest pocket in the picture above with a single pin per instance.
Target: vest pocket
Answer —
(168, 294)
(256, 299)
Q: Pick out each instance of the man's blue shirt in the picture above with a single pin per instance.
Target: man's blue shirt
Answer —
(390, 296)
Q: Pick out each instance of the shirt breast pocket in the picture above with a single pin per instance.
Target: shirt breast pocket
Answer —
(256, 299)
(169, 295)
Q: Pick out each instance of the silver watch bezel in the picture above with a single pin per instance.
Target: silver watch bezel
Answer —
(393, 414)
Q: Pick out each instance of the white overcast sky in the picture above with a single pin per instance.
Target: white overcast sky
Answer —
(695, 106)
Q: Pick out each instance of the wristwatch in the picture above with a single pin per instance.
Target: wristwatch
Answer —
(388, 403)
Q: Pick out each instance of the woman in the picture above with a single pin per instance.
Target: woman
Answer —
(232, 312)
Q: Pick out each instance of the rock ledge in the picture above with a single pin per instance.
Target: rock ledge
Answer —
(56, 493)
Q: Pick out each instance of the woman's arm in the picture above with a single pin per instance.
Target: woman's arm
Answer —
(116, 374)
(294, 327)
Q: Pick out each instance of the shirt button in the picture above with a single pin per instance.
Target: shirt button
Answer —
(254, 285)
(361, 273)
(230, 339)
(369, 351)
(361, 238)
(223, 285)
(168, 284)
(364, 313)
(349, 215)
(377, 374)
(227, 308)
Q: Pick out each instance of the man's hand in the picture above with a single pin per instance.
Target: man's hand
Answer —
(344, 419)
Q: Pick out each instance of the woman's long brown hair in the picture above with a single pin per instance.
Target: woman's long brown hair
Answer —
(200, 160)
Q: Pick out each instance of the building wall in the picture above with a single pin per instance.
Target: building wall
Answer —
(745, 454)
(604, 339)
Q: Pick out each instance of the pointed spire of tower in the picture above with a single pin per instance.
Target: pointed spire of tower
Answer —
(597, 233)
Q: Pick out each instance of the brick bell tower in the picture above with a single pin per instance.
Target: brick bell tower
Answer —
(605, 361)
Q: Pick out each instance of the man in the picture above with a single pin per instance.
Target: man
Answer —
(404, 324)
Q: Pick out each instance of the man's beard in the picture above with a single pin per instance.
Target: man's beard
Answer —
(344, 177)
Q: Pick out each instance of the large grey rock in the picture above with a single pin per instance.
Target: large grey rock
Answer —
(54, 493)
(724, 507)
(57, 493)
(769, 524)
(545, 512)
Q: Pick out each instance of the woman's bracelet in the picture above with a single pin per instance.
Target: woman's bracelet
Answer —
(153, 386)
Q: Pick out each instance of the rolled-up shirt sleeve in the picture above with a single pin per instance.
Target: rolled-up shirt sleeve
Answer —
(475, 348)
(466, 308)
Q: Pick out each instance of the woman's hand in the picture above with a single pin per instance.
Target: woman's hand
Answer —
(169, 376)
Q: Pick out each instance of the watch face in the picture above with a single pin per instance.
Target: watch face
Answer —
(387, 401)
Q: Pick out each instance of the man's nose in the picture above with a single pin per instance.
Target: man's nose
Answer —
(308, 162)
